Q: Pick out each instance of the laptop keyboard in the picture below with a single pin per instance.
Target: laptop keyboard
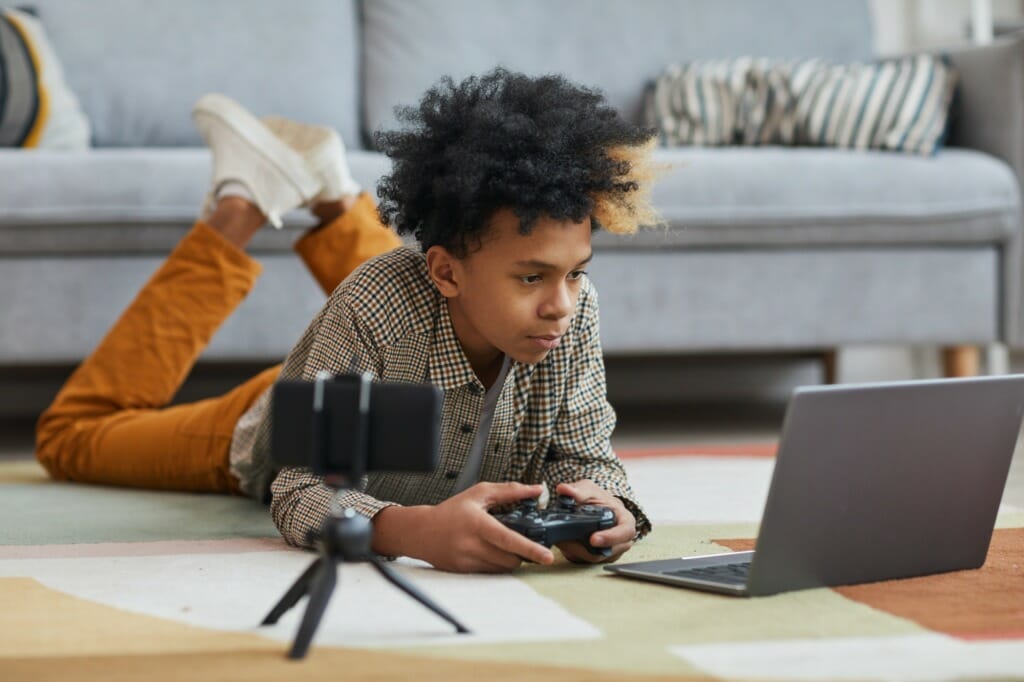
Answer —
(733, 574)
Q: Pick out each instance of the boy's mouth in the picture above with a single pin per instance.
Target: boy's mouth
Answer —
(547, 342)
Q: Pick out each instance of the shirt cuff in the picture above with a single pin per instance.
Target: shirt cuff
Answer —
(643, 524)
(625, 494)
(365, 504)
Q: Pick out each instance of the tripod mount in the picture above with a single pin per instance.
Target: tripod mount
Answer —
(345, 535)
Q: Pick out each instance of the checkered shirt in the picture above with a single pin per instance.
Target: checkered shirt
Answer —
(552, 422)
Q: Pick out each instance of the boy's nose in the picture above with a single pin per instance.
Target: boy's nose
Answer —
(559, 305)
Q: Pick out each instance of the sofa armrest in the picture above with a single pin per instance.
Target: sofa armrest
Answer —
(989, 113)
(989, 117)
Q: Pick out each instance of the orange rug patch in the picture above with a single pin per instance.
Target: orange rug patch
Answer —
(749, 450)
(330, 665)
(987, 603)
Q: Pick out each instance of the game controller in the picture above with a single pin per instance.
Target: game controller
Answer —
(561, 522)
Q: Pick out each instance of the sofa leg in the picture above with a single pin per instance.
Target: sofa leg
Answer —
(961, 361)
(997, 359)
(830, 365)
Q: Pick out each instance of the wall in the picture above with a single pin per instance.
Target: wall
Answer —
(905, 25)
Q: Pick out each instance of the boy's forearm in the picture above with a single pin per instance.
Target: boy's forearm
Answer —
(397, 530)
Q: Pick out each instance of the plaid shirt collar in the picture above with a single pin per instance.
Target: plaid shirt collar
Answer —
(449, 366)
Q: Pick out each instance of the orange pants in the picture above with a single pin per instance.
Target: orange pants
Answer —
(110, 422)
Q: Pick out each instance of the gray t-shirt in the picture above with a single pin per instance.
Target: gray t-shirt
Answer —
(471, 472)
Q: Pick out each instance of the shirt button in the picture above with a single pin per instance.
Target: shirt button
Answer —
(467, 428)
(451, 475)
(473, 388)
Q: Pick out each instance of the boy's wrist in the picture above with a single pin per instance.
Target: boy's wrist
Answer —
(396, 530)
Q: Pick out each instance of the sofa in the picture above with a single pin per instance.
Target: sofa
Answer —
(764, 248)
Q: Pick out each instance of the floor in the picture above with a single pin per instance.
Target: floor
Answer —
(194, 624)
(639, 427)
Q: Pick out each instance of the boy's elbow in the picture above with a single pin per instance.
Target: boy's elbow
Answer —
(293, 533)
(283, 512)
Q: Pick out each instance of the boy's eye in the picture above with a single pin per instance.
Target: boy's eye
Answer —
(577, 274)
(529, 279)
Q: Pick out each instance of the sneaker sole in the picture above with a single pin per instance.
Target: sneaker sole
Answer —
(288, 162)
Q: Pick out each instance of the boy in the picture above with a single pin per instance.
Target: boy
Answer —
(501, 179)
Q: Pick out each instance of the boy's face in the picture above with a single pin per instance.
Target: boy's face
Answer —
(516, 293)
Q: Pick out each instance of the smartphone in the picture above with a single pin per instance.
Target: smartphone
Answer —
(403, 426)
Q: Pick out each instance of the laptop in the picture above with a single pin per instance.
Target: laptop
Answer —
(871, 482)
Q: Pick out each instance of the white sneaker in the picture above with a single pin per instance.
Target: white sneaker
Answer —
(324, 153)
(246, 151)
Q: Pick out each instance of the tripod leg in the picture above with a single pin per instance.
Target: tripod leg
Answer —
(401, 583)
(293, 595)
(319, 594)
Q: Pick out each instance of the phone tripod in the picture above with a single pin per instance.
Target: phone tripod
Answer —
(344, 536)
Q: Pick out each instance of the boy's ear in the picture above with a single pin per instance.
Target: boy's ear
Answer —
(443, 268)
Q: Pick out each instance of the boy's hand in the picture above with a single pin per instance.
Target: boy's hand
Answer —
(459, 534)
(619, 538)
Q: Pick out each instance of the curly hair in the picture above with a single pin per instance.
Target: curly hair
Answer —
(539, 146)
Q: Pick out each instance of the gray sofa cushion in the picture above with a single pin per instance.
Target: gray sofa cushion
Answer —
(771, 196)
(63, 203)
(725, 197)
(614, 45)
(84, 295)
(800, 298)
(138, 78)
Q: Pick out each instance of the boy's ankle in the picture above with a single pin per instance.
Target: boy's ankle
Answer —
(237, 219)
(328, 211)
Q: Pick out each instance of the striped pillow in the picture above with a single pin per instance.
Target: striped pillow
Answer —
(37, 109)
(723, 102)
(896, 104)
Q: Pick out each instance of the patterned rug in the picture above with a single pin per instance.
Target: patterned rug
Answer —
(109, 584)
